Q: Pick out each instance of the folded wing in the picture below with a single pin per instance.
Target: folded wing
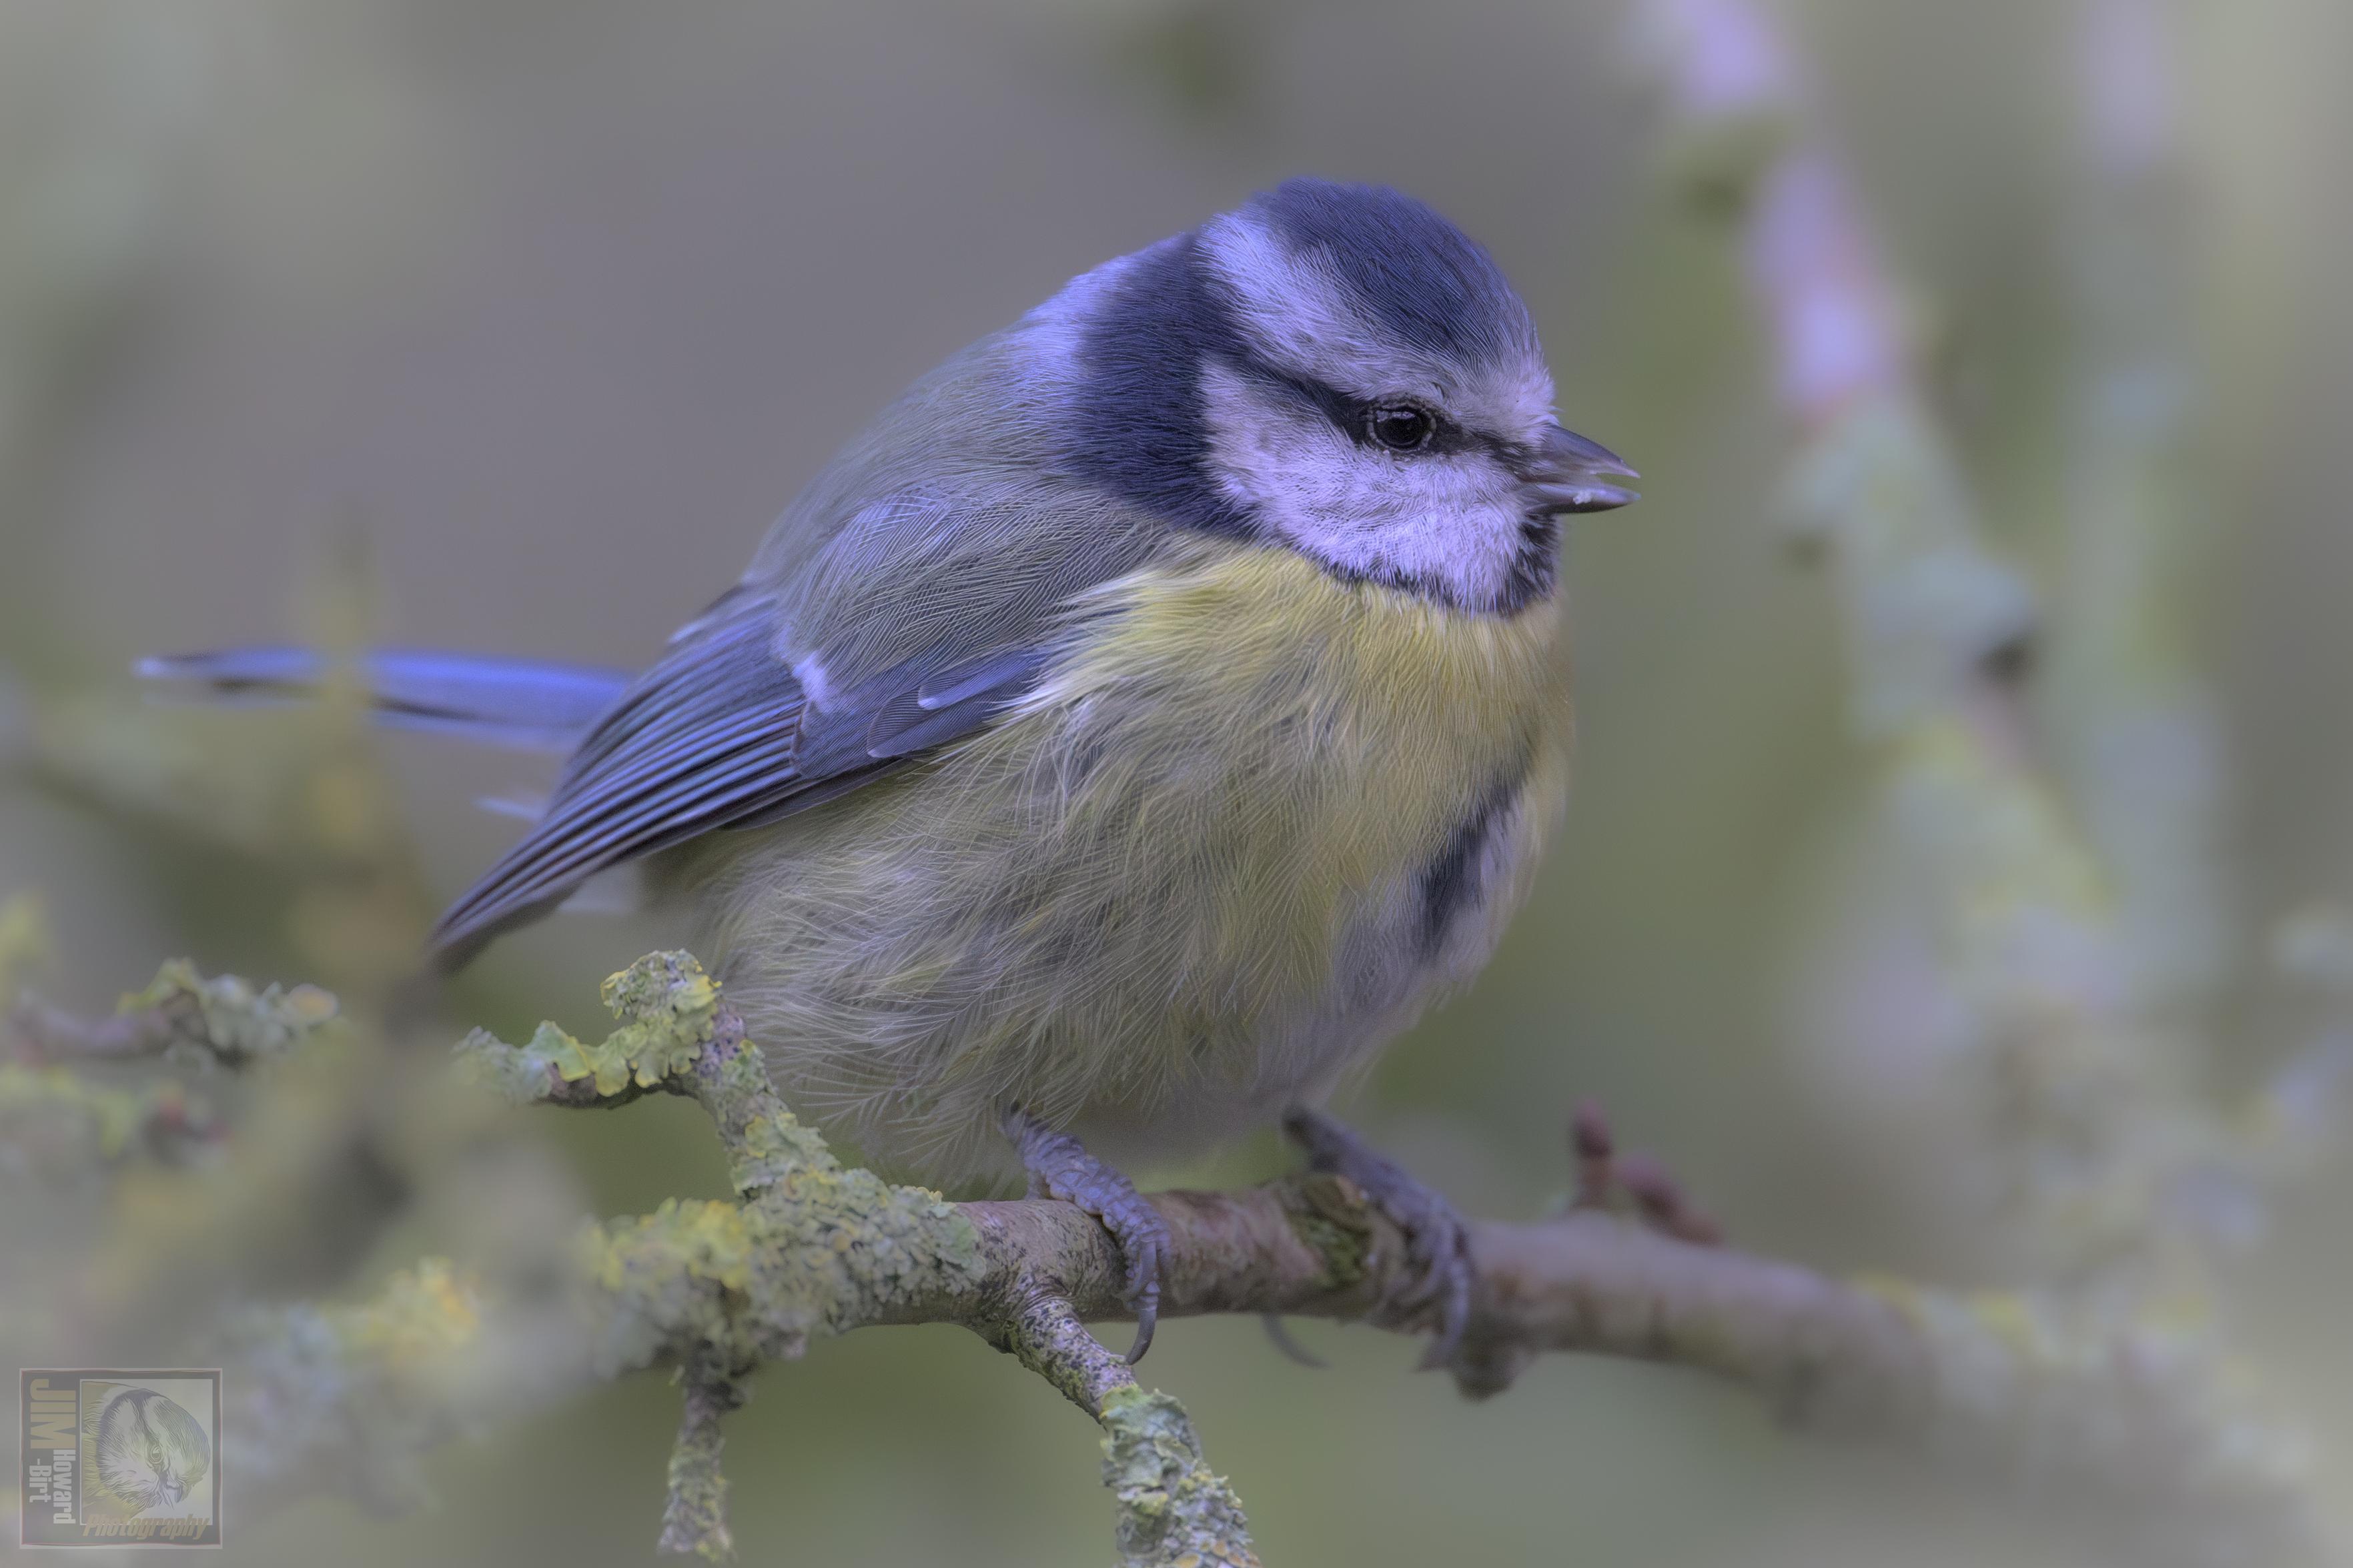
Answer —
(720, 734)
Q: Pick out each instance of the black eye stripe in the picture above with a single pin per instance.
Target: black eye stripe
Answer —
(1353, 415)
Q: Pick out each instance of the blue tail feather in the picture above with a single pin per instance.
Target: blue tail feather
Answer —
(523, 703)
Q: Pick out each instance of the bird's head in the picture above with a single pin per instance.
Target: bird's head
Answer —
(1339, 370)
(151, 1451)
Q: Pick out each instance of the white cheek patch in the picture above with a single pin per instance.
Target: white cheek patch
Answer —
(1450, 525)
(1300, 317)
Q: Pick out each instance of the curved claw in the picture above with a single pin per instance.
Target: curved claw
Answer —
(1438, 1244)
(1145, 1246)
(1060, 1167)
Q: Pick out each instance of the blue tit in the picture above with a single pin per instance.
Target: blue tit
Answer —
(1127, 734)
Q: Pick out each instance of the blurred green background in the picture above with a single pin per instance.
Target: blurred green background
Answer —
(554, 303)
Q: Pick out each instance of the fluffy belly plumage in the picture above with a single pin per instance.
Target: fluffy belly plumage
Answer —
(1252, 822)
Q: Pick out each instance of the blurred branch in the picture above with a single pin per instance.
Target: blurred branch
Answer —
(78, 213)
(222, 1020)
(2108, 1158)
(2105, 1151)
(351, 1396)
(24, 942)
(301, 801)
(2138, 741)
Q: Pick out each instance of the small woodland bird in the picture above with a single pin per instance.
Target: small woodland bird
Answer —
(1131, 729)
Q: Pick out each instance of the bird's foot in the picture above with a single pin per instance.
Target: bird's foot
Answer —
(1604, 1174)
(1060, 1167)
(1438, 1243)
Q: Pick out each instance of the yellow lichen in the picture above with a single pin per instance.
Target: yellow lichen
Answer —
(1172, 1509)
(421, 1314)
(665, 1003)
(230, 1020)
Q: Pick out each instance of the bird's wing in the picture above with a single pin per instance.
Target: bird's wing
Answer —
(884, 647)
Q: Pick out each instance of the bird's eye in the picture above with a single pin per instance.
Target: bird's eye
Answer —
(1401, 427)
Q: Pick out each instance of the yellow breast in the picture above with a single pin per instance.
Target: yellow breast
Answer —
(1198, 860)
(1315, 739)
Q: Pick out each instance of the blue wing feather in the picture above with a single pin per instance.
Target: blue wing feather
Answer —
(524, 703)
(703, 739)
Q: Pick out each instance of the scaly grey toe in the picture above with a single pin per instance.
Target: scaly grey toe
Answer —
(1438, 1244)
(1060, 1167)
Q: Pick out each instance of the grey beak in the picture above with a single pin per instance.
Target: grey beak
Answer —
(1569, 473)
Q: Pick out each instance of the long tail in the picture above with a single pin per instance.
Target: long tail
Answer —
(517, 702)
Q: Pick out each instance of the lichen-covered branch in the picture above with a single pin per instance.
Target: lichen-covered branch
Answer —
(349, 1397)
(695, 1519)
(2008, 1385)
(222, 1021)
